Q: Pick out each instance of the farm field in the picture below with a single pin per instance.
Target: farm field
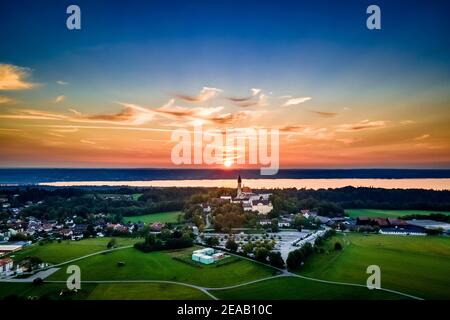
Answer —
(376, 213)
(413, 265)
(164, 217)
(66, 250)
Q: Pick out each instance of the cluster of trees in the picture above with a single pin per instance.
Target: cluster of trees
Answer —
(289, 202)
(321, 239)
(60, 203)
(353, 198)
(299, 256)
(227, 216)
(165, 240)
(300, 222)
(224, 215)
(260, 250)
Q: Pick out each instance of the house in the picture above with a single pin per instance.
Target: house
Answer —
(79, 229)
(393, 222)
(362, 221)
(265, 222)
(66, 232)
(261, 205)
(47, 227)
(321, 219)
(206, 208)
(381, 222)
(284, 224)
(157, 226)
(10, 247)
(226, 198)
(6, 266)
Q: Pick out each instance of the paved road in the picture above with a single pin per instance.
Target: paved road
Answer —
(41, 274)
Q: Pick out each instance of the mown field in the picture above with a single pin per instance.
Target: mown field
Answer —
(414, 265)
(291, 288)
(164, 217)
(165, 265)
(66, 250)
(104, 291)
(376, 213)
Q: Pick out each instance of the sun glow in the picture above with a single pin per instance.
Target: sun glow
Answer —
(228, 163)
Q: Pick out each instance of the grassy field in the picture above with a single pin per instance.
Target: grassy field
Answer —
(375, 213)
(165, 217)
(414, 265)
(135, 291)
(147, 291)
(136, 196)
(66, 250)
(291, 288)
(165, 265)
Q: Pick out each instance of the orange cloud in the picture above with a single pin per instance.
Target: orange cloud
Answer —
(324, 114)
(361, 125)
(13, 78)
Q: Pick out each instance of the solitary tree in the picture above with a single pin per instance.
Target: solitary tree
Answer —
(231, 245)
(112, 243)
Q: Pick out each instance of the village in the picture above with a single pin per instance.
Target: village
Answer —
(282, 235)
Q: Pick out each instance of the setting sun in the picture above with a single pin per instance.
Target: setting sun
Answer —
(228, 163)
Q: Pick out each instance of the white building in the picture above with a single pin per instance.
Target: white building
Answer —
(6, 266)
(252, 201)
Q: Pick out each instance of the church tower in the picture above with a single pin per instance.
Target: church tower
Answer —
(239, 185)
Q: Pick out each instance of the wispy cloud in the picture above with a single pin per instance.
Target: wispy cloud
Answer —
(422, 137)
(205, 94)
(256, 99)
(87, 141)
(130, 114)
(407, 122)
(324, 113)
(59, 99)
(31, 114)
(308, 131)
(7, 100)
(14, 78)
(295, 101)
(63, 83)
(361, 125)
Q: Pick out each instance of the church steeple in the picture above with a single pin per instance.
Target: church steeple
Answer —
(239, 186)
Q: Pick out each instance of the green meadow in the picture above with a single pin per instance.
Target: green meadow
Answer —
(292, 288)
(376, 213)
(104, 291)
(166, 265)
(55, 252)
(411, 264)
(164, 217)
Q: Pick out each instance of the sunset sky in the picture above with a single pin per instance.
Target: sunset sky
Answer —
(110, 94)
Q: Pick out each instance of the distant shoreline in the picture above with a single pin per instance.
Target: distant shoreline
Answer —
(429, 184)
